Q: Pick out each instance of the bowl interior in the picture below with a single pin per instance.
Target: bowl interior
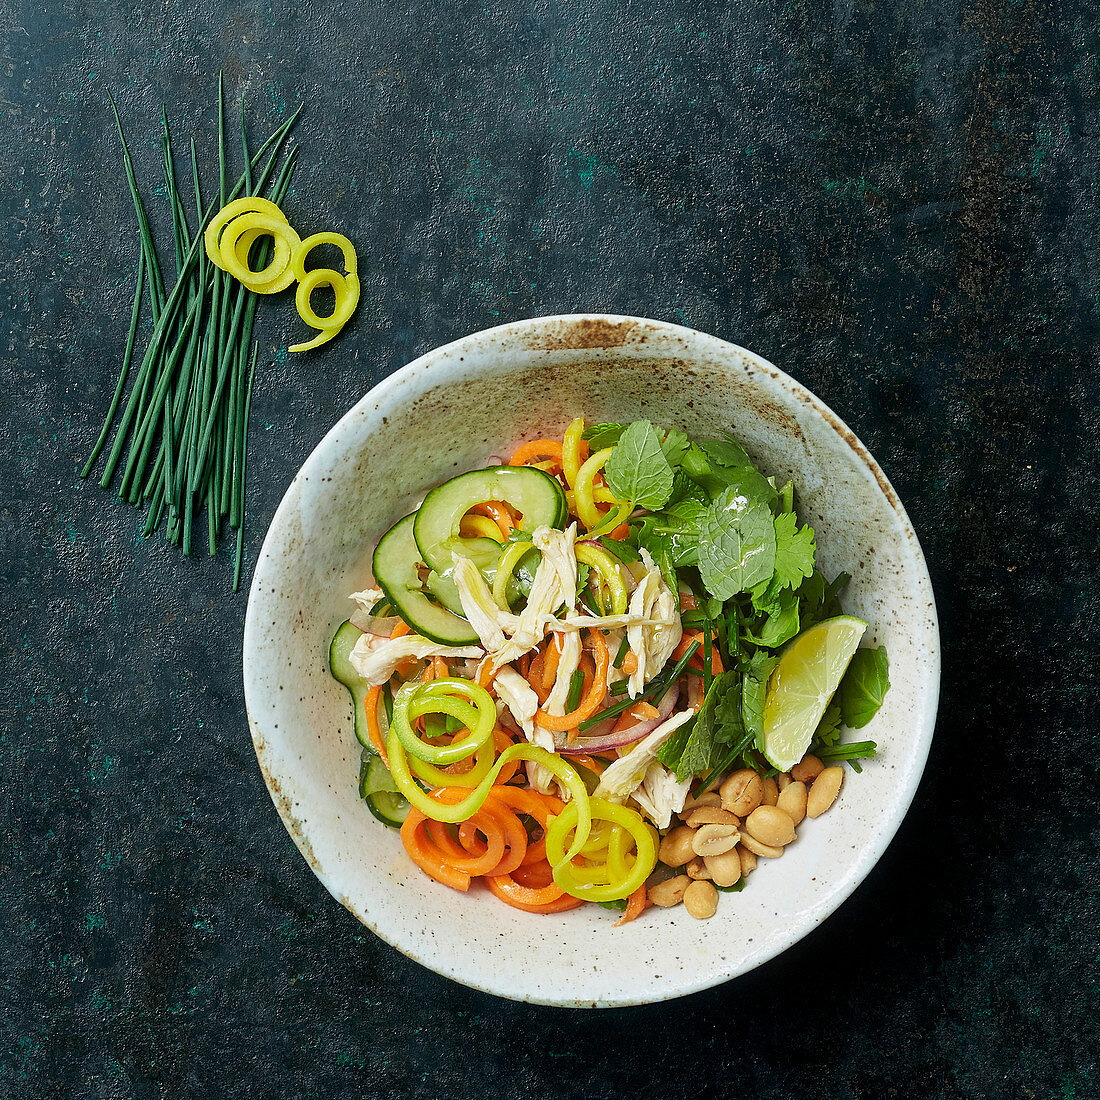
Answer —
(449, 412)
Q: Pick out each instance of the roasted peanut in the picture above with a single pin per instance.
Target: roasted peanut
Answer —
(675, 849)
(701, 899)
(747, 858)
(710, 815)
(708, 798)
(782, 781)
(725, 869)
(742, 791)
(824, 791)
(771, 791)
(770, 825)
(753, 845)
(792, 801)
(807, 769)
(670, 892)
(697, 868)
(711, 840)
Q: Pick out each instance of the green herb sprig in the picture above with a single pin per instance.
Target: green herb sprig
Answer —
(181, 441)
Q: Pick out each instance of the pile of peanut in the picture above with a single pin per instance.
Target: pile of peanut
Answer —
(724, 831)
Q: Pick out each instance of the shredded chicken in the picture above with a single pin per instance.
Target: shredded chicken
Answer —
(506, 636)
(624, 776)
(376, 659)
(485, 615)
(368, 598)
(652, 644)
(661, 794)
(519, 697)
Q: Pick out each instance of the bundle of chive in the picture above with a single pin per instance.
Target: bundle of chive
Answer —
(184, 425)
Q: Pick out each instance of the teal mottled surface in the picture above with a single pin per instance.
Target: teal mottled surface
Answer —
(898, 204)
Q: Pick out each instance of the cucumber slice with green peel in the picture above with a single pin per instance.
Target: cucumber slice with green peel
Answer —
(396, 558)
(536, 495)
(339, 664)
(379, 792)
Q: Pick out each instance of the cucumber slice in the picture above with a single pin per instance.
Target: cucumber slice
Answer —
(395, 560)
(339, 664)
(379, 792)
(535, 494)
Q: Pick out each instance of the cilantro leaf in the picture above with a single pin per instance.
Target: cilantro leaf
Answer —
(736, 544)
(818, 599)
(864, 686)
(683, 488)
(638, 470)
(582, 575)
(794, 551)
(828, 729)
(781, 623)
(726, 452)
(675, 445)
(602, 436)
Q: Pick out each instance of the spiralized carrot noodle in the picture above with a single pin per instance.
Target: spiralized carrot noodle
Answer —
(592, 699)
(499, 513)
(502, 741)
(551, 658)
(504, 844)
(535, 677)
(682, 648)
(485, 673)
(636, 905)
(427, 856)
(374, 730)
(640, 712)
(528, 454)
(534, 804)
(548, 899)
(535, 875)
(589, 762)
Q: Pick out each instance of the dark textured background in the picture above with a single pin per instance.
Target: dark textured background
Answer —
(897, 203)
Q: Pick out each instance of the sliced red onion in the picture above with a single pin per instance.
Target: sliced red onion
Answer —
(601, 742)
(381, 626)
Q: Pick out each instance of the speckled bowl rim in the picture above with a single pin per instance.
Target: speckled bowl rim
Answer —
(920, 745)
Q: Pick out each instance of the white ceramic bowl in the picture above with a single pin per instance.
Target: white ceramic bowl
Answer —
(445, 413)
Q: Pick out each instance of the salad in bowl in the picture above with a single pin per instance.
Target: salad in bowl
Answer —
(663, 520)
(607, 670)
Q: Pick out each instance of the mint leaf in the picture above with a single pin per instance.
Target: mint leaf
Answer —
(602, 436)
(754, 690)
(638, 470)
(718, 723)
(794, 551)
(670, 752)
(621, 550)
(864, 686)
(679, 525)
(736, 544)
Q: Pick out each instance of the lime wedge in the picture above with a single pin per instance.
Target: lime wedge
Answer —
(809, 670)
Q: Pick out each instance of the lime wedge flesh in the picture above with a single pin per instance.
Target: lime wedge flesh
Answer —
(809, 671)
